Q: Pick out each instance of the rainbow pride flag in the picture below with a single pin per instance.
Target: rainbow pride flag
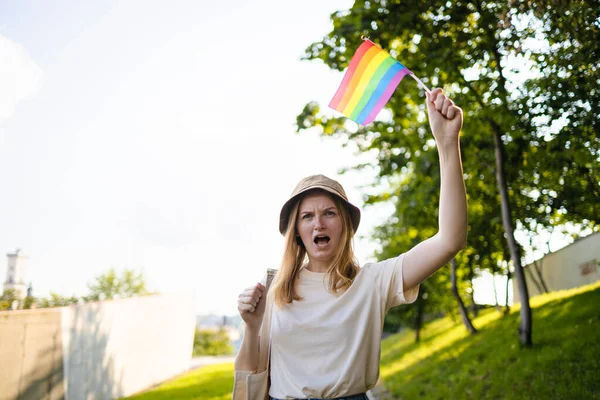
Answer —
(368, 84)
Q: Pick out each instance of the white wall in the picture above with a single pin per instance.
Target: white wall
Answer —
(562, 269)
(117, 348)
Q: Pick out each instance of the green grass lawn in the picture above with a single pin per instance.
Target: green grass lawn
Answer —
(213, 382)
(449, 364)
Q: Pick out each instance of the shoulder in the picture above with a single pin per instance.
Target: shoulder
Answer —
(379, 267)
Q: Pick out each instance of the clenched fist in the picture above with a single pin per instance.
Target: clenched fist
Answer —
(445, 118)
(251, 305)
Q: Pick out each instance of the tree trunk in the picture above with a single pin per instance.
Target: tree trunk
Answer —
(506, 305)
(497, 305)
(534, 280)
(474, 309)
(461, 306)
(419, 318)
(526, 322)
(538, 269)
(540, 284)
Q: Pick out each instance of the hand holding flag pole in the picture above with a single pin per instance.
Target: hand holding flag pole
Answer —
(369, 82)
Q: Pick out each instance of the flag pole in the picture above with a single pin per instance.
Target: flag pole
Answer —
(363, 37)
(420, 83)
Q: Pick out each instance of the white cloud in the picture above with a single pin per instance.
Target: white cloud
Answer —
(20, 76)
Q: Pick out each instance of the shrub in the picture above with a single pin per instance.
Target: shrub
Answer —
(211, 342)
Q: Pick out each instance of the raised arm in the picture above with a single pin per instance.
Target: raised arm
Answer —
(430, 255)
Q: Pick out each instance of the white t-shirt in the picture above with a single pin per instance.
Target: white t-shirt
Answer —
(326, 346)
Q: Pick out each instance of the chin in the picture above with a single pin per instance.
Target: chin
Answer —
(323, 257)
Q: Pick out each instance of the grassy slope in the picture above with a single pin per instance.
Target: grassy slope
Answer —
(563, 363)
(448, 364)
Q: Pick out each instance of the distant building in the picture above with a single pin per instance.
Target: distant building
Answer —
(15, 274)
(574, 265)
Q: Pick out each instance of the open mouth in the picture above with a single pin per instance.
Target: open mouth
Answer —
(321, 240)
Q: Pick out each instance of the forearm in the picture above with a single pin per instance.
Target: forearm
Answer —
(247, 357)
(453, 198)
(430, 255)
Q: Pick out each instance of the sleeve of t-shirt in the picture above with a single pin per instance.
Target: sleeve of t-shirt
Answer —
(388, 277)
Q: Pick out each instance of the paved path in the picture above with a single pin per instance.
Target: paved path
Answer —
(379, 392)
(198, 362)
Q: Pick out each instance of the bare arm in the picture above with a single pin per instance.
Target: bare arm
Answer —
(247, 356)
(430, 255)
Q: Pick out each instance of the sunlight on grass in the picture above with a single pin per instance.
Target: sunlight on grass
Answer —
(213, 382)
(439, 335)
(542, 299)
(450, 363)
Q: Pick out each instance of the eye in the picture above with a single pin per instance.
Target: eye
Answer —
(306, 216)
(330, 213)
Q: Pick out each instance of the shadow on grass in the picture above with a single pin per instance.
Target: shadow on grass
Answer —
(405, 341)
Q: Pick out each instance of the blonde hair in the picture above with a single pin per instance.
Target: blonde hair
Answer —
(342, 270)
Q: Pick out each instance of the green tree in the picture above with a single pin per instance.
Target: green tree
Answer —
(8, 299)
(523, 101)
(559, 104)
(56, 300)
(110, 285)
(415, 220)
(106, 286)
(461, 305)
(211, 342)
(28, 302)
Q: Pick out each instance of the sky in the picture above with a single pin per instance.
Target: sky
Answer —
(160, 137)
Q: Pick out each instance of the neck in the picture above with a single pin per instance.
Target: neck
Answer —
(317, 266)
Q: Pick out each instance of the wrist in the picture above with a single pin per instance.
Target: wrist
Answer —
(251, 330)
(450, 143)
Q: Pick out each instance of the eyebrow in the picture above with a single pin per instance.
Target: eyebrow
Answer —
(326, 209)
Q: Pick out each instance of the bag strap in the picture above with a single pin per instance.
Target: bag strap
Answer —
(265, 330)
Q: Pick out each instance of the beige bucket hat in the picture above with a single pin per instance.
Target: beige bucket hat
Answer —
(317, 182)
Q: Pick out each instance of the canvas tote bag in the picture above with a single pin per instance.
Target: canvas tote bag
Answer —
(255, 385)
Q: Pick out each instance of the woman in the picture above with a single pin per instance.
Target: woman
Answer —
(327, 323)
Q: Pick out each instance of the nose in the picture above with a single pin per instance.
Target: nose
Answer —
(319, 223)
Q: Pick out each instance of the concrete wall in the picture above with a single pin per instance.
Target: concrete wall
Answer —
(31, 362)
(572, 266)
(114, 349)
(100, 350)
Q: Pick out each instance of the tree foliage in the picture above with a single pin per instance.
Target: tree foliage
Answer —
(8, 300)
(211, 342)
(56, 300)
(106, 286)
(110, 285)
(527, 72)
